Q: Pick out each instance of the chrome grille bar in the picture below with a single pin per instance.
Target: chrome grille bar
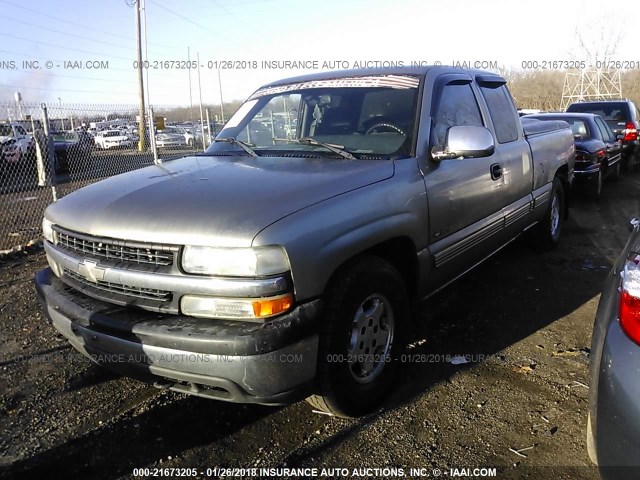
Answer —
(127, 290)
(115, 250)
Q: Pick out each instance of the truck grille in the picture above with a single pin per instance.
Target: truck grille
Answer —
(117, 288)
(128, 252)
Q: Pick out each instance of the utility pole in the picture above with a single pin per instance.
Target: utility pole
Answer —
(221, 102)
(190, 96)
(18, 98)
(141, 142)
(204, 148)
(61, 117)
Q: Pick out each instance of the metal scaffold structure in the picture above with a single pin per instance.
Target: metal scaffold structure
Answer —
(591, 84)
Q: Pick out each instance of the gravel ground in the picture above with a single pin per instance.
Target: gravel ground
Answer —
(522, 319)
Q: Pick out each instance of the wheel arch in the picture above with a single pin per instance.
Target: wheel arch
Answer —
(398, 251)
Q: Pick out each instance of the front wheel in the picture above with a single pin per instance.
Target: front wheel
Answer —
(365, 316)
(549, 229)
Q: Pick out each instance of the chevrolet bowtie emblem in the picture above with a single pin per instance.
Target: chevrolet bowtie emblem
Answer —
(90, 270)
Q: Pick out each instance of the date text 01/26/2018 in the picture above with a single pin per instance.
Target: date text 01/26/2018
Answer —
(580, 64)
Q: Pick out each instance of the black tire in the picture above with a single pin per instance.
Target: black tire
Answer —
(549, 230)
(355, 371)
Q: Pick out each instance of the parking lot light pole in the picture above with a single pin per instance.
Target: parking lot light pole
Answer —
(221, 101)
(152, 137)
(204, 147)
(208, 128)
(61, 117)
(141, 129)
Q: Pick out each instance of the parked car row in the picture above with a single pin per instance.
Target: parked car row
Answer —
(606, 140)
(172, 135)
(624, 120)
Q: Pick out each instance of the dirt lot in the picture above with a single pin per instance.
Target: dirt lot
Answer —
(523, 320)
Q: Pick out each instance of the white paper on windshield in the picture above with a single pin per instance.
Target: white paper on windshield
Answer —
(240, 114)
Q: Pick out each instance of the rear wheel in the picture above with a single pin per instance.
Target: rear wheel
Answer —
(366, 312)
(548, 231)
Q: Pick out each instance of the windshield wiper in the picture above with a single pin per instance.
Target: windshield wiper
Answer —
(233, 141)
(339, 149)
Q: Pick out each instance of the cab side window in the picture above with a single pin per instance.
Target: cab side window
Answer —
(502, 113)
(457, 106)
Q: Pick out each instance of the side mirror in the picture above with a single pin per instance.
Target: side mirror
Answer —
(466, 141)
(619, 136)
(633, 224)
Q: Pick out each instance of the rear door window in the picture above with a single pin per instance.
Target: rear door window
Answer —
(502, 113)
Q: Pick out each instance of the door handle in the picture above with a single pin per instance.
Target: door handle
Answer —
(496, 171)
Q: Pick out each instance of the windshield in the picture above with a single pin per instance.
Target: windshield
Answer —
(365, 116)
(580, 128)
(612, 112)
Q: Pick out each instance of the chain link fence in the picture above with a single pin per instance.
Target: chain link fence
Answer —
(48, 151)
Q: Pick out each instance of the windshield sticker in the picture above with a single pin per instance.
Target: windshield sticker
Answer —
(240, 114)
(389, 81)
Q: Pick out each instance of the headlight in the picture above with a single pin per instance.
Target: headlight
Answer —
(47, 230)
(235, 262)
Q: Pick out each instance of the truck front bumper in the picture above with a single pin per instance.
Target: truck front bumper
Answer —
(269, 363)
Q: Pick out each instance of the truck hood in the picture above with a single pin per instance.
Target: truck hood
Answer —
(209, 200)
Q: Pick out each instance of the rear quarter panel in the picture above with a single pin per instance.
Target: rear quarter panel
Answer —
(550, 152)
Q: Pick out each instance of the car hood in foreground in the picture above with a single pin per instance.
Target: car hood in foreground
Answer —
(208, 200)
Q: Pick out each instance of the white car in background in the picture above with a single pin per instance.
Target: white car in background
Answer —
(189, 137)
(171, 137)
(107, 139)
(23, 141)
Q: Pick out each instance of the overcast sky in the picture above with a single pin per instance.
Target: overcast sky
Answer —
(504, 31)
